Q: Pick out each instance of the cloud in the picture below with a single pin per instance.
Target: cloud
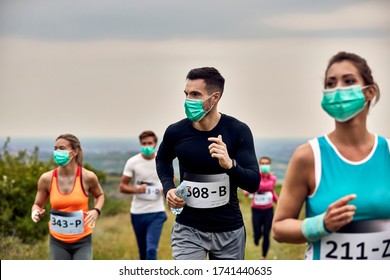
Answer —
(124, 19)
(88, 20)
(364, 16)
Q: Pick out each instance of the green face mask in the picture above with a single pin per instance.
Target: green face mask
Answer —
(265, 168)
(343, 103)
(147, 150)
(194, 109)
(61, 157)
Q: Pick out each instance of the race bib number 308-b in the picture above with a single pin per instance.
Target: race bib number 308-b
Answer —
(207, 191)
(67, 222)
(368, 240)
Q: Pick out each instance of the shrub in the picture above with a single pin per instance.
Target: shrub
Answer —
(18, 185)
(19, 174)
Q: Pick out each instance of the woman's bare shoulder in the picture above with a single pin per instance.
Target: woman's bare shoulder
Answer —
(303, 154)
(47, 176)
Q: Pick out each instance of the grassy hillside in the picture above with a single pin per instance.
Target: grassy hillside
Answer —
(114, 239)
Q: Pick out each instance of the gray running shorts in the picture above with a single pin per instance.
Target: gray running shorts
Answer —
(191, 244)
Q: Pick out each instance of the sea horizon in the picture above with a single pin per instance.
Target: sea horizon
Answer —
(110, 154)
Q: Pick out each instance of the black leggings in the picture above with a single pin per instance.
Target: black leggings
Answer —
(79, 250)
(262, 223)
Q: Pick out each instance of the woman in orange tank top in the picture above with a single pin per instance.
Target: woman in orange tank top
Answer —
(68, 187)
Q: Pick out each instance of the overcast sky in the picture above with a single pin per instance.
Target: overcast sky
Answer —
(114, 68)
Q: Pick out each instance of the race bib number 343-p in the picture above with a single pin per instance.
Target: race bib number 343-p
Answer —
(207, 191)
(67, 222)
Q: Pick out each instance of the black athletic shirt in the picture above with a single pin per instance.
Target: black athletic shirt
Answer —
(190, 146)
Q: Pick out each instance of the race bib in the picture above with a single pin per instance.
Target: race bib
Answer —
(152, 192)
(67, 222)
(262, 199)
(361, 240)
(207, 191)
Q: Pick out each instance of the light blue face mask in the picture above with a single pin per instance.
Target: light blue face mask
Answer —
(343, 103)
(265, 168)
(61, 157)
(194, 109)
(147, 150)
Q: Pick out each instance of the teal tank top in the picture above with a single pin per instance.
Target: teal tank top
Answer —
(337, 176)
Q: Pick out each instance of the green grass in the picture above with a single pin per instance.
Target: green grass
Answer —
(114, 239)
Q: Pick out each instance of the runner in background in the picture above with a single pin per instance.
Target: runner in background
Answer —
(262, 205)
(342, 177)
(69, 187)
(147, 211)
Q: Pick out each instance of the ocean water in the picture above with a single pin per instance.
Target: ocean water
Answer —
(111, 154)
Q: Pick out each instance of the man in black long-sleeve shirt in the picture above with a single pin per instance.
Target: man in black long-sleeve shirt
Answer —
(216, 156)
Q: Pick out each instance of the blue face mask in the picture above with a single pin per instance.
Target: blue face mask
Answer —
(343, 103)
(61, 157)
(147, 150)
(194, 109)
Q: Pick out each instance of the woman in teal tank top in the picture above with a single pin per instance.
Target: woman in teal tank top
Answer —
(342, 178)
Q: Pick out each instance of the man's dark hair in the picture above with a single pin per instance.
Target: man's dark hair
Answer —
(213, 79)
(147, 133)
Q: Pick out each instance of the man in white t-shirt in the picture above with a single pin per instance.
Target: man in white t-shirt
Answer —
(147, 211)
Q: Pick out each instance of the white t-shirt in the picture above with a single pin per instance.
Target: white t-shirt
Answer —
(144, 171)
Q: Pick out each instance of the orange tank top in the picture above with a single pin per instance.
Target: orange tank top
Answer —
(67, 212)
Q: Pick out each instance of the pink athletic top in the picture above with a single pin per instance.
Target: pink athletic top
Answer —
(265, 196)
